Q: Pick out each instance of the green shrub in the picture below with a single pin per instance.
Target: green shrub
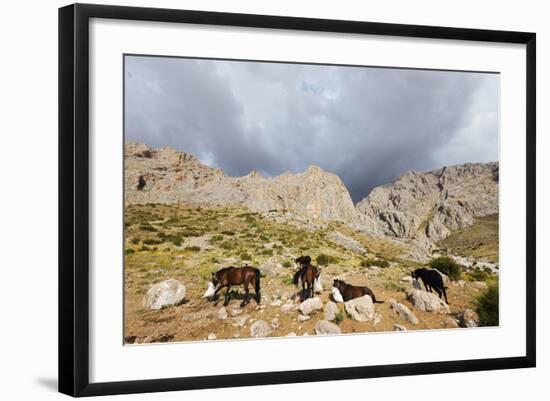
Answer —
(245, 256)
(144, 248)
(135, 241)
(128, 251)
(448, 266)
(267, 252)
(228, 232)
(152, 241)
(324, 260)
(477, 275)
(147, 227)
(338, 317)
(193, 248)
(375, 262)
(487, 306)
(264, 238)
(287, 263)
(216, 238)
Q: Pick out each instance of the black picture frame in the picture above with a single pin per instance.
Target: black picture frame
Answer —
(74, 198)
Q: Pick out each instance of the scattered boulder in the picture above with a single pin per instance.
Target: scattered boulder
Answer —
(450, 322)
(303, 318)
(166, 293)
(402, 311)
(468, 318)
(288, 307)
(239, 321)
(407, 279)
(270, 268)
(331, 309)
(275, 323)
(360, 309)
(324, 327)
(259, 329)
(191, 317)
(346, 242)
(311, 305)
(236, 312)
(291, 334)
(398, 327)
(426, 301)
(211, 336)
(222, 313)
(416, 284)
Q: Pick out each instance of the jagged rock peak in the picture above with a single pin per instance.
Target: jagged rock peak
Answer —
(430, 205)
(169, 176)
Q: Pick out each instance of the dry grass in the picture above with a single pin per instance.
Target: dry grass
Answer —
(479, 240)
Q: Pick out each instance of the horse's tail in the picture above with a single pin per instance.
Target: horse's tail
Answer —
(374, 298)
(297, 276)
(257, 285)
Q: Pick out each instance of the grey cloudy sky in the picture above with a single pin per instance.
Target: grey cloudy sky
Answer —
(368, 125)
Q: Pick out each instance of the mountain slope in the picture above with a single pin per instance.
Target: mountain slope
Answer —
(167, 176)
(430, 205)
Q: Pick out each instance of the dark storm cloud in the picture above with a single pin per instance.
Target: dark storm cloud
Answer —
(368, 125)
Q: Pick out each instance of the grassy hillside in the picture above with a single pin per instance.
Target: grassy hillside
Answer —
(479, 240)
(189, 243)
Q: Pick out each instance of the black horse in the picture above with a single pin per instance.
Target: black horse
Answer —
(229, 276)
(431, 279)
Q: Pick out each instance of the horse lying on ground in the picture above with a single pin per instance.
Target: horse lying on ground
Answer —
(349, 291)
(309, 276)
(229, 276)
(431, 279)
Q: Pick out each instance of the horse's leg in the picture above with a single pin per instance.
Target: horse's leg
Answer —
(215, 296)
(303, 294)
(245, 299)
(226, 301)
(445, 293)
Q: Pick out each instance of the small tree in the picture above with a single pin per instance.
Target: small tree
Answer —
(487, 306)
(448, 266)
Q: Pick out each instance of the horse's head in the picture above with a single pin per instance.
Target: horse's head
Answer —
(215, 279)
(417, 273)
(303, 260)
(338, 283)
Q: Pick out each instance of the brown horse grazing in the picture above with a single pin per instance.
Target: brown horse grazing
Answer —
(307, 275)
(349, 291)
(229, 276)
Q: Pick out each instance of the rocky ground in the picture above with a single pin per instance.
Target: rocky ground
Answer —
(187, 243)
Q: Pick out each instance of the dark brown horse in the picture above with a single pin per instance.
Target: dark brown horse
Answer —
(349, 291)
(229, 276)
(307, 274)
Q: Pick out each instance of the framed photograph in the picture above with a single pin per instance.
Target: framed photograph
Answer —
(252, 199)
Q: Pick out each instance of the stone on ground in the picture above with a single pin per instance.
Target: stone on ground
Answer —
(166, 293)
(360, 309)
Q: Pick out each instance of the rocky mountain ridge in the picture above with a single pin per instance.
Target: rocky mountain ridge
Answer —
(418, 206)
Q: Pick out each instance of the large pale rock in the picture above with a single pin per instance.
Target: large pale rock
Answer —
(166, 293)
(346, 242)
(311, 305)
(402, 311)
(331, 309)
(260, 328)
(426, 301)
(324, 327)
(360, 309)
(468, 318)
